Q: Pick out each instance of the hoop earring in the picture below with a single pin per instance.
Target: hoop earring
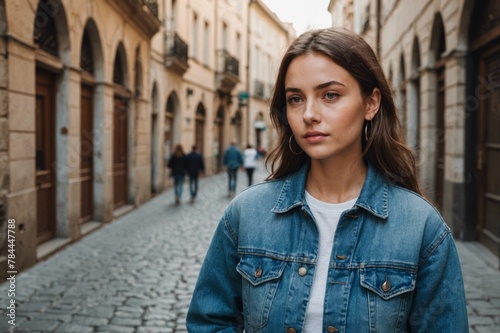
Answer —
(366, 129)
(290, 146)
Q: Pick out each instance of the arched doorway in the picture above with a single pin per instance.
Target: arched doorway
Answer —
(413, 124)
(86, 128)
(52, 43)
(402, 95)
(483, 133)
(172, 125)
(91, 120)
(200, 128)
(120, 129)
(438, 47)
(236, 121)
(155, 140)
(219, 137)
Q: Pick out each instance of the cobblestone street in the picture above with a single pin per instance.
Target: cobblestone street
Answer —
(137, 273)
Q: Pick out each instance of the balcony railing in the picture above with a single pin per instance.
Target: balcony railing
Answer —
(228, 69)
(176, 53)
(152, 5)
(227, 63)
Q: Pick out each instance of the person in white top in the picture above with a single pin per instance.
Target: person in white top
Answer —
(250, 156)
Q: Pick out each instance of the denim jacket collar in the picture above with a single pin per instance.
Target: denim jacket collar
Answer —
(373, 197)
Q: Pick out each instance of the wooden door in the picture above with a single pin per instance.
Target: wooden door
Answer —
(440, 139)
(489, 150)
(45, 156)
(120, 155)
(86, 154)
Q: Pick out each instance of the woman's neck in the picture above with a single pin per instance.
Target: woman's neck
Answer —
(334, 182)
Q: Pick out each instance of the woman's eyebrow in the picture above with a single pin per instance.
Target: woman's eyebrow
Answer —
(318, 87)
(327, 84)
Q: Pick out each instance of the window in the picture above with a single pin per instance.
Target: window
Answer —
(206, 43)
(194, 48)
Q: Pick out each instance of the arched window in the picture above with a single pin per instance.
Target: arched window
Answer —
(45, 32)
(200, 127)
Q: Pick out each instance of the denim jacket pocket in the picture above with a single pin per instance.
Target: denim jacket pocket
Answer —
(389, 291)
(261, 276)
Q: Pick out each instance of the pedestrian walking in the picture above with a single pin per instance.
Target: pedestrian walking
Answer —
(194, 166)
(232, 161)
(177, 164)
(250, 156)
(340, 237)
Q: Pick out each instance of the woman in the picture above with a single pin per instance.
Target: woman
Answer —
(250, 156)
(177, 164)
(340, 239)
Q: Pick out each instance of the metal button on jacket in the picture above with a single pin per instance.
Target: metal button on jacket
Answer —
(258, 272)
(291, 330)
(386, 286)
(332, 329)
(302, 271)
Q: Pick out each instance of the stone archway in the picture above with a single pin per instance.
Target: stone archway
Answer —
(436, 121)
(51, 38)
(413, 124)
(91, 125)
(155, 141)
(121, 130)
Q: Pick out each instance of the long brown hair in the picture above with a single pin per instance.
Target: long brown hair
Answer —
(385, 149)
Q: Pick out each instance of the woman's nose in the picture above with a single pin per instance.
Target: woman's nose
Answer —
(311, 112)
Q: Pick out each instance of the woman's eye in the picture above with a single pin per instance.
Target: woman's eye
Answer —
(331, 95)
(294, 100)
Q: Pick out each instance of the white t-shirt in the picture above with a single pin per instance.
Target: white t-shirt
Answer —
(250, 158)
(327, 217)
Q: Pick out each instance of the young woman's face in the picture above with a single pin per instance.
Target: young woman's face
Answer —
(325, 107)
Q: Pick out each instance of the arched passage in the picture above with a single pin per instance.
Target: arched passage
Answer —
(219, 137)
(200, 128)
(120, 129)
(402, 95)
(51, 38)
(155, 141)
(436, 113)
(91, 124)
(413, 124)
(172, 124)
(92, 121)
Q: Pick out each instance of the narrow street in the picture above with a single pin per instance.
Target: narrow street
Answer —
(137, 273)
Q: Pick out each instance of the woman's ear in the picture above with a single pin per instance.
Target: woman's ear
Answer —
(373, 104)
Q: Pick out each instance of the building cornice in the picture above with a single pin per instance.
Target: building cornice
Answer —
(270, 14)
(139, 14)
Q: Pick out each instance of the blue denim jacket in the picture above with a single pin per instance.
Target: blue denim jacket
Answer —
(393, 268)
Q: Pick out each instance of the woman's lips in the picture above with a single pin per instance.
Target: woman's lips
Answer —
(315, 137)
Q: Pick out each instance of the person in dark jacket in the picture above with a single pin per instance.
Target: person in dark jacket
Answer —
(233, 160)
(177, 164)
(194, 165)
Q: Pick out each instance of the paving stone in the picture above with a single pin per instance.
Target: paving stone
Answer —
(126, 321)
(147, 329)
(480, 321)
(89, 321)
(487, 329)
(115, 329)
(73, 328)
(38, 325)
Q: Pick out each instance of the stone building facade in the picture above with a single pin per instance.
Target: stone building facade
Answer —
(443, 60)
(268, 39)
(93, 97)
